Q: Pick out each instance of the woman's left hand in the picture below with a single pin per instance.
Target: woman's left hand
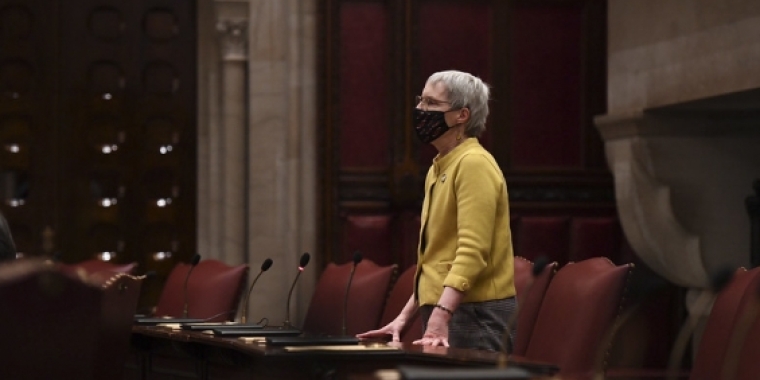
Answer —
(437, 333)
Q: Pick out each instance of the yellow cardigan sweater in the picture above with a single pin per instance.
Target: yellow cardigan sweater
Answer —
(465, 237)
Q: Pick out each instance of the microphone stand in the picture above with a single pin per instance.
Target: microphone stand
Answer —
(196, 260)
(357, 260)
(264, 267)
(304, 260)
(287, 324)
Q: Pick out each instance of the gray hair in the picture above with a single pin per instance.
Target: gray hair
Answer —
(466, 91)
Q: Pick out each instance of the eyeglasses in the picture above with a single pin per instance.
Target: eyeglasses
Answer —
(426, 102)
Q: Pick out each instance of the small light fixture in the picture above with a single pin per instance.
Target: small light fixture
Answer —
(163, 255)
(106, 256)
(16, 202)
(107, 202)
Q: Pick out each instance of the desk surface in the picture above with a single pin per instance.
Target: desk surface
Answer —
(202, 355)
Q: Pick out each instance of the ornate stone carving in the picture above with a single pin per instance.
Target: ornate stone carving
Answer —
(645, 207)
(233, 36)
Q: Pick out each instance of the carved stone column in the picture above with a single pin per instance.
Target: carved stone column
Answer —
(257, 144)
(229, 232)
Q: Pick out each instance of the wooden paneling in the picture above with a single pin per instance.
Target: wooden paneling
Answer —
(110, 129)
(364, 74)
(27, 123)
(452, 35)
(545, 63)
(545, 76)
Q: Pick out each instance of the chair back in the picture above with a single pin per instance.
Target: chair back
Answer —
(579, 306)
(95, 265)
(399, 296)
(64, 326)
(213, 291)
(523, 276)
(726, 313)
(530, 296)
(748, 365)
(366, 298)
(121, 293)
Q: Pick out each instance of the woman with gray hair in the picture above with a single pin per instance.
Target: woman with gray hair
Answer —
(464, 285)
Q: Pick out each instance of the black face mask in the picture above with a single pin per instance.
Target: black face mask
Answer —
(429, 125)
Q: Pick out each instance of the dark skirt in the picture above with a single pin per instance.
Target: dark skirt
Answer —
(480, 325)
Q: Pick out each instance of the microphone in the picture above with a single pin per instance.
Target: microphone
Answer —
(193, 264)
(718, 280)
(301, 265)
(264, 267)
(539, 265)
(357, 260)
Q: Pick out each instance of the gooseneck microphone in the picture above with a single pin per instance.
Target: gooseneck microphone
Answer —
(357, 260)
(264, 267)
(301, 265)
(193, 264)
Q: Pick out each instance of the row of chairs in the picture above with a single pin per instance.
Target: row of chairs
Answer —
(566, 316)
(570, 317)
(215, 288)
(213, 291)
(376, 296)
(563, 314)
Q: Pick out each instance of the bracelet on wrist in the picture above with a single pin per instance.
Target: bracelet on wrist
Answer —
(444, 308)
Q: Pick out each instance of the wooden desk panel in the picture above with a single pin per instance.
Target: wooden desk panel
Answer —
(162, 353)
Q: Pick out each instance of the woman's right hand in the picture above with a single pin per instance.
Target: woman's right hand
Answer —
(394, 329)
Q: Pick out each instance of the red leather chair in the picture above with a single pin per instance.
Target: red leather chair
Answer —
(530, 295)
(523, 276)
(399, 296)
(213, 291)
(733, 313)
(94, 266)
(369, 289)
(579, 306)
(729, 343)
(724, 315)
(748, 365)
(63, 327)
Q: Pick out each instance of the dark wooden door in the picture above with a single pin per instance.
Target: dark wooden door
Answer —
(97, 129)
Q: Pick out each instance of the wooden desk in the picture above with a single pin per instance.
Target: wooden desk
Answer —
(162, 353)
